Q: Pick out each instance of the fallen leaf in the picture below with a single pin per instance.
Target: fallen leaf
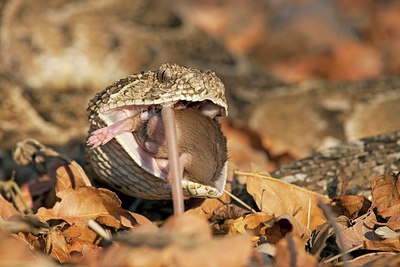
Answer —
(390, 244)
(34, 191)
(352, 206)
(207, 208)
(278, 198)
(386, 195)
(394, 222)
(290, 251)
(374, 259)
(228, 211)
(78, 206)
(283, 225)
(57, 246)
(7, 209)
(361, 231)
(71, 176)
(251, 224)
(15, 251)
(385, 232)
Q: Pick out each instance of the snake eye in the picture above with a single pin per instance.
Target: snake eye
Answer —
(164, 75)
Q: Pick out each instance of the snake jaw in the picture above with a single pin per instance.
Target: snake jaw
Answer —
(122, 162)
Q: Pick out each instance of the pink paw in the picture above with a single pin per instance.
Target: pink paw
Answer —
(100, 137)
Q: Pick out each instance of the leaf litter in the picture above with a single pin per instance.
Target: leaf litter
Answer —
(68, 220)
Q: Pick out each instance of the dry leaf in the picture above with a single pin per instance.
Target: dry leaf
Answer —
(228, 211)
(373, 259)
(352, 206)
(284, 225)
(278, 198)
(394, 222)
(251, 224)
(390, 244)
(290, 251)
(14, 251)
(57, 246)
(183, 240)
(34, 191)
(199, 252)
(386, 195)
(7, 209)
(78, 206)
(71, 176)
(207, 208)
(361, 231)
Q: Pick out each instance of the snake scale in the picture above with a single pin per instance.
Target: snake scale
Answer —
(120, 162)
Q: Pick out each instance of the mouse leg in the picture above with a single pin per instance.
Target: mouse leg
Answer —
(129, 124)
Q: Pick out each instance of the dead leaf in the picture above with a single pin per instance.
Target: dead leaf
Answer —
(189, 225)
(352, 206)
(361, 231)
(390, 244)
(251, 224)
(207, 208)
(290, 251)
(394, 222)
(15, 251)
(236, 252)
(284, 225)
(34, 191)
(71, 176)
(228, 211)
(57, 246)
(7, 209)
(278, 198)
(374, 259)
(78, 206)
(386, 195)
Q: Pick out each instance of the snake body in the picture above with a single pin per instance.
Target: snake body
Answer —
(116, 162)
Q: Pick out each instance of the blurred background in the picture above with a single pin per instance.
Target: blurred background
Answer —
(300, 75)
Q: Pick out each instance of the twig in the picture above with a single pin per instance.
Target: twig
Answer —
(309, 213)
(11, 189)
(341, 254)
(240, 201)
(95, 226)
(339, 237)
(237, 172)
(174, 175)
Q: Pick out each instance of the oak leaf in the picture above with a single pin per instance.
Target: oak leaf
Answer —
(276, 197)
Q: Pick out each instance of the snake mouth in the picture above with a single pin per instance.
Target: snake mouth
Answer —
(138, 118)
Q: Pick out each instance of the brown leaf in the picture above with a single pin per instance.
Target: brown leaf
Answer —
(390, 244)
(284, 225)
(14, 251)
(207, 208)
(184, 240)
(386, 195)
(209, 252)
(374, 259)
(7, 209)
(361, 231)
(394, 222)
(71, 176)
(57, 246)
(290, 251)
(78, 206)
(35, 189)
(277, 197)
(229, 211)
(352, 206)
(190, 225)
(251, 224)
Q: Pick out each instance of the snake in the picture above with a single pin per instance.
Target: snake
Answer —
(119, 162)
